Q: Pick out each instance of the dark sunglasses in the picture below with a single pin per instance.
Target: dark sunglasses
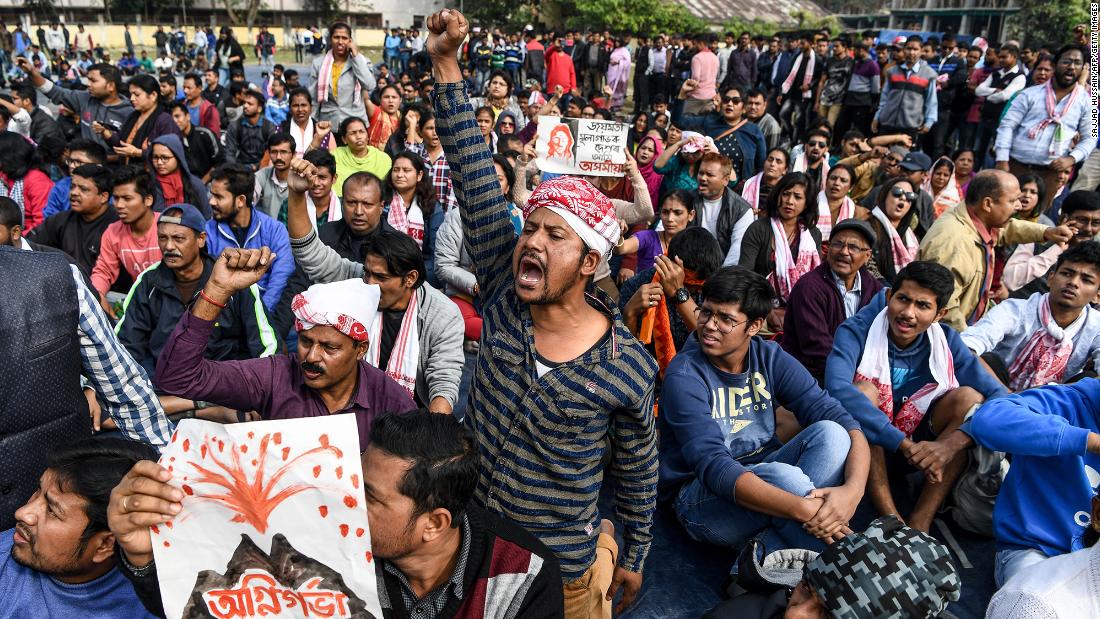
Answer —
(898, 192)
(733, 100)
(817, 144)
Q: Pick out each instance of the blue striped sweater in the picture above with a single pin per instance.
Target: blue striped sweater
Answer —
(541, 441)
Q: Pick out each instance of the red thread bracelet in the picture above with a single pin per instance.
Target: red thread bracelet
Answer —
(206, 297)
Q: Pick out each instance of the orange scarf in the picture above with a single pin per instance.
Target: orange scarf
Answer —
(656, 325)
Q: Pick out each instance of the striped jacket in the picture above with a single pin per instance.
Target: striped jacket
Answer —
(541, 440)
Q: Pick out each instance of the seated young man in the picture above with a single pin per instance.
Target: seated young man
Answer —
(59, 560)
(829, 295)
(1050, 337)
(721, 464)
(910, 382)
(433, 547)
(1053, 436)
(1025, 272)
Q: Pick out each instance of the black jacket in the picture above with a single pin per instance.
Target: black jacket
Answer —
(154, 307)
(734, 208)
(44, 126)
(41, 403)
(69, 232)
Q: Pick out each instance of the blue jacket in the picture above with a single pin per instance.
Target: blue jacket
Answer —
(840, 368)
(262, 232)
(713, 125)
(712, 423)
(58, 200)
(1044, 502)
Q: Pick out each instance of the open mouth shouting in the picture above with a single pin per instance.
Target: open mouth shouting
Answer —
(530, 272)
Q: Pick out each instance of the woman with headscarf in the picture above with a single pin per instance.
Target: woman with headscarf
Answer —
(21, 180)
(942, 185)
(506, 124)
(649, 149)
(175, 183)
(145, 124)
(618, 74)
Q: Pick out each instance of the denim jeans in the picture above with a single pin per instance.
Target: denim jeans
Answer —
(815, 458)
(223, 75)
(1008, 563)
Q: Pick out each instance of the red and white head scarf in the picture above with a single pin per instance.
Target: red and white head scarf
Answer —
(903, 251)
(349, 306)
(825, 214)
(874, 367)
(788, 268)
(587, 211)
(1044, 356)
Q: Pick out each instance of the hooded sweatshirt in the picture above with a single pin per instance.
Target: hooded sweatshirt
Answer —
(176, 146)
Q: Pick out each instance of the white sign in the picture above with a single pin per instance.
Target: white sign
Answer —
(581, 146)
(273, 522)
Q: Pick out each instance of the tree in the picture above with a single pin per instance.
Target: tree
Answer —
(249, 8)
(640, 16)
(44, 10)
(1048, 23)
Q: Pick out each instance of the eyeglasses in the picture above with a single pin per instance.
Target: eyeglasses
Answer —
(1070, 62)
(73, 163)
(898, 192)
(733, 100)
(161, 158)
(723, 322)
(1085, 222)
(852, 248)
(817, 144)
(892, 161)
(507, 123)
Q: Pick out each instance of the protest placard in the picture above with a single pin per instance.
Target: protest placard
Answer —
(273, 522)
(581, 146)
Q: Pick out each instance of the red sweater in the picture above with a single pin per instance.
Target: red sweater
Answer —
(36, 191)
(560, 71)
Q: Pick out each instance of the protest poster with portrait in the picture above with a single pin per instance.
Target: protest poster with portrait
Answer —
(581, 146)
(273, 523)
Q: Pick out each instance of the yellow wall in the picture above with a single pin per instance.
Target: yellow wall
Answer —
(112, 36)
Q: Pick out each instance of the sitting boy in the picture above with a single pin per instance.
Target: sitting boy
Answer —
(910, 382)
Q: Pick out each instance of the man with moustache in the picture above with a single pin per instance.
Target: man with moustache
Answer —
(162, 293)
(542, 406)
(328, 375)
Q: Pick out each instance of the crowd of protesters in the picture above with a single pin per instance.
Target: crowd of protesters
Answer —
(833, 272)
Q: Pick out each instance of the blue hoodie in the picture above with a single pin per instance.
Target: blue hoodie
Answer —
(712, 423)
(840, 369)
(1045, 500)
(176, 146)
(262, 232)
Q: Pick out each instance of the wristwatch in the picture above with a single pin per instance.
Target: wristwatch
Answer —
(682, 295)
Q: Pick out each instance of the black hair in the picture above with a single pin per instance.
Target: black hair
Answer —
(1071, 47)
(240, 179)
(698, 249)
(94, 150)
(279, 67)
(98, 174)
(425, 192)
(984, 185)
(821, 133)
(1080, 200)
(509, 175)
(91, 468)
(289, 73)
(178, 105)
(135, 174)
(1087, 252)
(322, 159)
(510, 138)
(194, 77)
(236, 88)
(17, 155)
(741, 91)
(336, 25)
(808, 218)
(504, 76)
(257, 97)
(744, 287)
(148, 84)
(930, 276)
(444, 460)
(347, 123)
(281, 137)
(26, 91)
(108, 72)
(399, 251)
(11, 214)
(1040, 186)
(300, 92)
(852, 134)
(843, 166)
(782, 151)
(1011, 49)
